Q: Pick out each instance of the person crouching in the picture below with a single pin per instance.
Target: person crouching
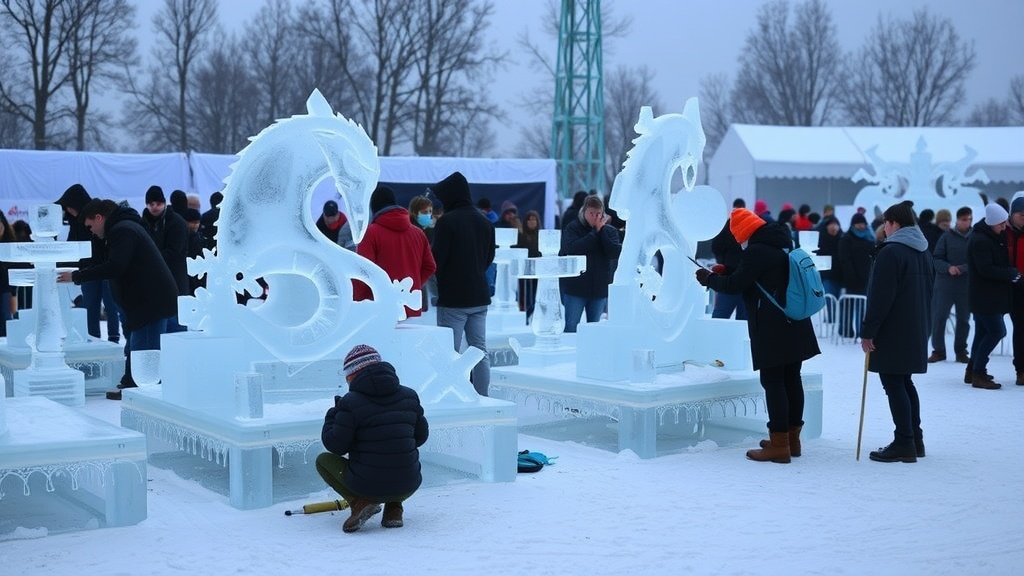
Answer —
(380, 425)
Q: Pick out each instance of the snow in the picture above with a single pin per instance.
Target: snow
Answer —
(702, 510)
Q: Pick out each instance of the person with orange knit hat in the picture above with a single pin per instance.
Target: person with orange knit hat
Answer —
(778, 345)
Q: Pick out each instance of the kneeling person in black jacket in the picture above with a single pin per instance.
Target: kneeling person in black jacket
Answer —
(380, 425)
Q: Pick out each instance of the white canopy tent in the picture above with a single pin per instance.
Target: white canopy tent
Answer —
(815, 165)
(29, 177)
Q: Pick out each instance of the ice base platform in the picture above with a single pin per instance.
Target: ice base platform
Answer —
(62, 470)
(101, 362)
(477, 439)
(698, 401)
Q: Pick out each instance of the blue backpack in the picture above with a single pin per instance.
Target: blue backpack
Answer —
(805, 294)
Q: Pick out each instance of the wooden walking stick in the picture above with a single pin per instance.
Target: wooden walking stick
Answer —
(863, 397)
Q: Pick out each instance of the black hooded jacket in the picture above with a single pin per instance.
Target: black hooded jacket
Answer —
(140, 281)
(76, 197)
(170, 234)
(380, 425)
(463, 247)
(775, 340)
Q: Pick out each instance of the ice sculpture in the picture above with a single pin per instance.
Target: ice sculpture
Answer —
(647, 308)
(504, 313)
(548, 315)
(928, 185)
(253, 379)
(47, 374)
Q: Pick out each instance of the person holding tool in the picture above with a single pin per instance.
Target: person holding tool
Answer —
(778, 345)
(380, 425)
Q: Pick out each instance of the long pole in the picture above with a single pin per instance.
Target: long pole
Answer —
(863, 397)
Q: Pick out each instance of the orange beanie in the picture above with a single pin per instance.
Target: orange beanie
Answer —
(743, 223)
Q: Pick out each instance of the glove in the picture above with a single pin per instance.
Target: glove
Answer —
(702, 276)
(718, 269)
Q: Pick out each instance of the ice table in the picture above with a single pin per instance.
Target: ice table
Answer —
(52, 451)
(479, 439)
(729, 399)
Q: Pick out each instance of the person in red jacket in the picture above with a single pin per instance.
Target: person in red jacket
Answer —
(394, 244)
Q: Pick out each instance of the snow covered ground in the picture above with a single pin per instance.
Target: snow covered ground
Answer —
(703, 510)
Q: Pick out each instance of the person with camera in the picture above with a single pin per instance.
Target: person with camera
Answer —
(379, 425)
(588, 235)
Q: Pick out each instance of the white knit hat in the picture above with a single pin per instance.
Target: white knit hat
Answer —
(995, 214)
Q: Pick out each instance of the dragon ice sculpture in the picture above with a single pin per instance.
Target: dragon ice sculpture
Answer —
(265, 231)
(919, 181)
(658, 222)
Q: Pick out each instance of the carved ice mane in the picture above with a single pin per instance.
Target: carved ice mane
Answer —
(266, 231)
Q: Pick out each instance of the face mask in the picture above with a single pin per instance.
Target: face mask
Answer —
(424, 220)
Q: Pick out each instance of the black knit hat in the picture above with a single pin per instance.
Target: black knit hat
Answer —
(901, 213)
(381, 198)
(155, 194)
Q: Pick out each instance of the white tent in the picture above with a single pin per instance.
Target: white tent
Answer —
(815, 165)
(30, 177)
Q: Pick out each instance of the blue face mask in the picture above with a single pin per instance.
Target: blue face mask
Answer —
(424, 220)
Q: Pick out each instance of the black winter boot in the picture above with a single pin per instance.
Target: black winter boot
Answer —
(919, 443)
(897, 451)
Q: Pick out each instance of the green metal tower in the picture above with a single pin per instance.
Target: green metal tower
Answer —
(577, 128)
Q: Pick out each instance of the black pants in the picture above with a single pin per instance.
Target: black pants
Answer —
(784, 396)
(904, 405)
(1017, 319)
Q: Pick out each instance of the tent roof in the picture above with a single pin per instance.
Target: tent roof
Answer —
(837, 152)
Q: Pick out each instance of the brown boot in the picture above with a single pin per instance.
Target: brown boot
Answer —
(362, 510)
(794, 441)
(392, 515)
(936, 357)
(1020, 378)
(985, 382)
(777, 450)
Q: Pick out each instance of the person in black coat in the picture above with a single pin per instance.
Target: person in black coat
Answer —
(727, 254)
(463, 249)
(380, 425)
(990, 280)
(589, 235)
(170, 234)
(141, 283)
(208, 222)
(897, 324)
(778, 345)
(855, 249)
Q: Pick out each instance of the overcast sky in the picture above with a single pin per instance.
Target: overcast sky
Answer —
(683, 41)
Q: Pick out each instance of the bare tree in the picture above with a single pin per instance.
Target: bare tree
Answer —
(272, 47)
(715, 111)
(992, 112)
(159, 110)
(1016, 101)
(224, 106)
(38, 33)
(909, 73)
(100, 49)
(788, 72)
(626, 90)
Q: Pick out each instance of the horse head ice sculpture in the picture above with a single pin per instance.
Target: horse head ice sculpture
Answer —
(658, 222)
(920, 181)
(266, 231)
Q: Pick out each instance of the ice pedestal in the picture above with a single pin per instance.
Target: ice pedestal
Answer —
(98, 467)
(503, 313)
(3, 411)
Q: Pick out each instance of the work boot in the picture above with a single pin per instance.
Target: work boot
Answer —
(392, 515)
(985, 382)
(116, 394)
(963, 358)
(969, 375)
(903, 451)
(777, 450)
(362, 510)
(936, 357)
(794, 441)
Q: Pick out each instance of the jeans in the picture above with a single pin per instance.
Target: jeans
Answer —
(942, 301)
(94, 294)
(988, 331)
(473, 323)
(726, 303)
(146, 337)
(783, 396)
(575, 305)
(834, 288)
(904, 404)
